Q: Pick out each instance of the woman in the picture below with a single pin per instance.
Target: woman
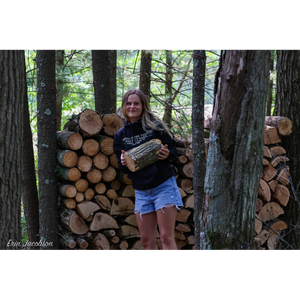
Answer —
(157, 197)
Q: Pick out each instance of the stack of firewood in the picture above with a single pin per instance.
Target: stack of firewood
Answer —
(273, 194)
(96, 200)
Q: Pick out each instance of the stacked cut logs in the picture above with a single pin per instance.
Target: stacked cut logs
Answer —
(96, 200)
(273, 194)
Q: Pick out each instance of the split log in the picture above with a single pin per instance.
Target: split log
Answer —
(103, 221)
(190, 240)
(265, 162)
(180, 160)
(68, 174)
(122, 206)
(281, 194)
(103, 202)
(69, 140)
(273, 185)
(67, 158)
(123, 245)
(129, 231)
(278, 159)
(72, 221)
(84, 163)
(182, 192)
(67, 190)
(106, 144)
(137, 246)
(277, 150)
(99, 242)
(130, 220)
(123, 178)
(268, 172)
(112, 123)
(267, 152)
(180, 244)
(270, 211)
(272, 242)
(115, 239)
(183, 227)
(90, 147)
(258, 226)
(284, 176)
(100, 161)
(183, 215)
(143, 155)
(179, 235)
(264, 192)
(271, 135)
(189, 202)
(86, 208)
(126, 191)
(259, 204)
(284, 125)
(261, 238)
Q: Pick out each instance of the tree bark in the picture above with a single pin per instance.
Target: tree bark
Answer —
(104, 72)
(168, 87)
(199, 62)
(287, 104)
(145, 72)
(12, 93)
(29, 189)
(46, 123)
(234, 161)
(59, 86)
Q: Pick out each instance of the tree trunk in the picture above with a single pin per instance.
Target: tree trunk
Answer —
(199, 62)
(104, 72)
(46, 123)
(234, 161)
(59, 86)
(168, 87)
(145, 72)
(29, 188)
(271, 83)
(287, 105)
(12, 93)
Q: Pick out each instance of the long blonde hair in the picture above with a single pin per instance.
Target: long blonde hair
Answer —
(149, 119)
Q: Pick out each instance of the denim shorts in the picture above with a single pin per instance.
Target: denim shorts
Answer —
(165, 195)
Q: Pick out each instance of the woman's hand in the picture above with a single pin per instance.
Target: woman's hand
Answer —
(163, 152)
(123, 161)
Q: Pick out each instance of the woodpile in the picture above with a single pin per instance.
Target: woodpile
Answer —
(96, 200)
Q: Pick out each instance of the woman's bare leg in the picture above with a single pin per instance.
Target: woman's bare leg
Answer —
(166, 221)
(148, 230)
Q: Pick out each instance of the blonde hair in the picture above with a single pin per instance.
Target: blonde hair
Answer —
(149, 119)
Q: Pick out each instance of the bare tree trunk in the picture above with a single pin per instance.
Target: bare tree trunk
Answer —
(168, 86)
(59, 86)
(145, 72)
(29, 188)
(199, 61)
(270, 91)
(46, 123)
(288, 105)
(11, 130)
(104, 72)
(234, 161)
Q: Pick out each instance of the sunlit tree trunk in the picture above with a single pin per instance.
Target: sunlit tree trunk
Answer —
(168, 87)
(59, 86)
(145, 72)
(270, 92)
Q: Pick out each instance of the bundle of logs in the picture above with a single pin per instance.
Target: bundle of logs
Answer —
(96, 200)
(273, 194)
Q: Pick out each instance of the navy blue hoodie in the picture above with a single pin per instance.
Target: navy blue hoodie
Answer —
(133, 135)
